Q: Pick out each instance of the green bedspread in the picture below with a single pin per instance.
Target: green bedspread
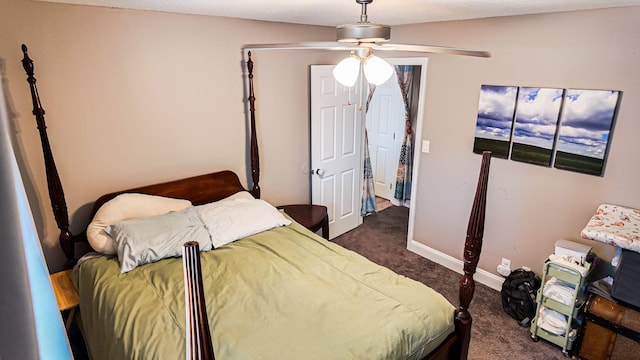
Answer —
(282, 294)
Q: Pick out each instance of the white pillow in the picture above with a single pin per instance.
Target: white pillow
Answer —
(239, 195)
(238, 216)
(146, 240)
(126, 207)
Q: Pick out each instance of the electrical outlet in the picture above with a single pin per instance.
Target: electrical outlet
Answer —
(504, 268)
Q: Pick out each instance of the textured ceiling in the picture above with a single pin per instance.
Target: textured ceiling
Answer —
(337, 12)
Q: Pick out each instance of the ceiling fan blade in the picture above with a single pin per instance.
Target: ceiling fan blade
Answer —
(434, 49)
(346, 46)
(320, 45)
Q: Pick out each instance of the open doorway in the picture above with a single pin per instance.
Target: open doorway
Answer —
(337, 135)
(393, 126)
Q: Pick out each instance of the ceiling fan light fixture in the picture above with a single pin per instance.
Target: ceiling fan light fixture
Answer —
(347, 70)
(376, 70)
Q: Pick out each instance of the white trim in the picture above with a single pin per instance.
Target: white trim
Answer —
(482, 276)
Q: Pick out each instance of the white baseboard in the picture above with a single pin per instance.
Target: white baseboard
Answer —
(482, 276)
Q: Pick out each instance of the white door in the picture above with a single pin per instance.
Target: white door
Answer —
(336, 140)
(385, 128)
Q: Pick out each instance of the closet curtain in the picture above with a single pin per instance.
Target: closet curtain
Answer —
(402, 195)
(368, 206)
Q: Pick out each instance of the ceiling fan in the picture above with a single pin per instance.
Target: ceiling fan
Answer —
(361, 39)
(366, 35)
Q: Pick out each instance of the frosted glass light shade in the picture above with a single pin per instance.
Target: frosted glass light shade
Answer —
(376, 70)
(347, 70)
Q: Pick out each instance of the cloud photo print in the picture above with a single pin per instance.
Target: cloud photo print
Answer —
(567, 129)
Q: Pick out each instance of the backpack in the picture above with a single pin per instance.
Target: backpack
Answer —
(519, 295)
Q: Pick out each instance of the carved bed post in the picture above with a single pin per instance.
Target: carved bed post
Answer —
(56, 192)
(472, 248)
(198, 334)
(255, 160)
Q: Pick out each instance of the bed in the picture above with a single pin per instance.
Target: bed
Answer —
(279, 293)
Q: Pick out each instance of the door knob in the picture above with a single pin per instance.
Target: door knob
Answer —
(319, 172)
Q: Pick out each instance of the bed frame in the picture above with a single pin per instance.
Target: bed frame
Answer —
(215, 186)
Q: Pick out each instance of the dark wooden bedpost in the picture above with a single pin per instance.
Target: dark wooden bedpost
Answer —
(255, 160)
(198, 335)
(56, 193)
(472, 249)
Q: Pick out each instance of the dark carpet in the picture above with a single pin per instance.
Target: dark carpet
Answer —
(382, 238)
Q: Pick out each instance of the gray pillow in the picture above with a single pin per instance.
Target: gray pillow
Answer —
(145, 240)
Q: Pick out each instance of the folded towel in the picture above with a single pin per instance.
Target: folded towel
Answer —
(560, 291)
(552, 321)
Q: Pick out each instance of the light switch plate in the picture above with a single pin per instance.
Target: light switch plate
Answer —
(425, 146)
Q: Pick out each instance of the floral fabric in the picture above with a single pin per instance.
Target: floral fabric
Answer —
(368, 205)
(402, 193)
(615, 225)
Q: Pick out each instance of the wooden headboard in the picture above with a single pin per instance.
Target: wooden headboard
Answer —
(199, 189)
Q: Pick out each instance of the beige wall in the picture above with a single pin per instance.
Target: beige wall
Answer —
(134, 97)
(529, 207)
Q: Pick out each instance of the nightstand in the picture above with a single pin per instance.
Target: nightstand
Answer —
(66, 294)
(313, 217)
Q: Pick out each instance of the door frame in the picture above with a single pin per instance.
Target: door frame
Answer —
(421, 61)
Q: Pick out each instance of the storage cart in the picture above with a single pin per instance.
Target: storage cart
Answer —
(559, 304)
